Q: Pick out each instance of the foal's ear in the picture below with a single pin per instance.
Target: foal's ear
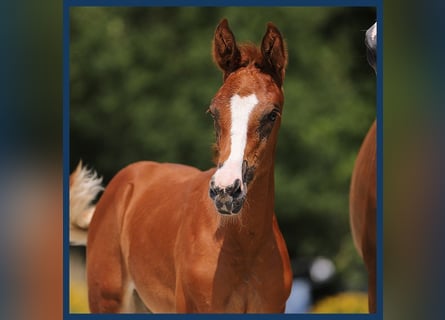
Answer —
(274, 53)
(225, 52)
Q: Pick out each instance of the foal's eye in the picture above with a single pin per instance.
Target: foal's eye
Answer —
(273, 115)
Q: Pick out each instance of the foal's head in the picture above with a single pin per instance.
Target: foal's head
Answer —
(246, 112)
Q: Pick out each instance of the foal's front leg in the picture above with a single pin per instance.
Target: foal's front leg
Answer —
(184, 302)
(194, 293)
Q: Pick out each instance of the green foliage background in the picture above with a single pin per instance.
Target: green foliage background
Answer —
(141, 80)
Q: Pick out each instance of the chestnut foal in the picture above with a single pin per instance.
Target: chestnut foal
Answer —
(362, 196)
(183, 240)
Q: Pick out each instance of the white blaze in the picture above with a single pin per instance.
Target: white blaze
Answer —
(240, 108)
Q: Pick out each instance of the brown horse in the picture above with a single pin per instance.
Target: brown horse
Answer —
(184, 240)
(362, 197)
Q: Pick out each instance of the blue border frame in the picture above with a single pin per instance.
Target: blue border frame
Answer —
(379, 261)
(67, 4)
(225, 3)
(66, 155)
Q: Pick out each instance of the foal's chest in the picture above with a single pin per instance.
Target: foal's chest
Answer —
(235, 284)
(251, 290)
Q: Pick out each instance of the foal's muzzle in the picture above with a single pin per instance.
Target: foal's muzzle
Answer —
(228, 200)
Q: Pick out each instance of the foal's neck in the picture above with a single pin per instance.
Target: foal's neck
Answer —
(255, 221)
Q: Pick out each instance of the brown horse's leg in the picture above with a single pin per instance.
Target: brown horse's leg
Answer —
(107, 285)
(369, 255)
(105, 276)
(372, 292)
(105, 289)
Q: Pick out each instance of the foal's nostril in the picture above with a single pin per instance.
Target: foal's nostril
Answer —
(212, 190)
(235, 189)
(212, 193)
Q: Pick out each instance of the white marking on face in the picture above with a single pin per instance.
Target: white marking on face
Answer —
(240, 108)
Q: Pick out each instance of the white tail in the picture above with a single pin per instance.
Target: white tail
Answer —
(84, 187)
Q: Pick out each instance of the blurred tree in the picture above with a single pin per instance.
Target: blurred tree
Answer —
(141, 80)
